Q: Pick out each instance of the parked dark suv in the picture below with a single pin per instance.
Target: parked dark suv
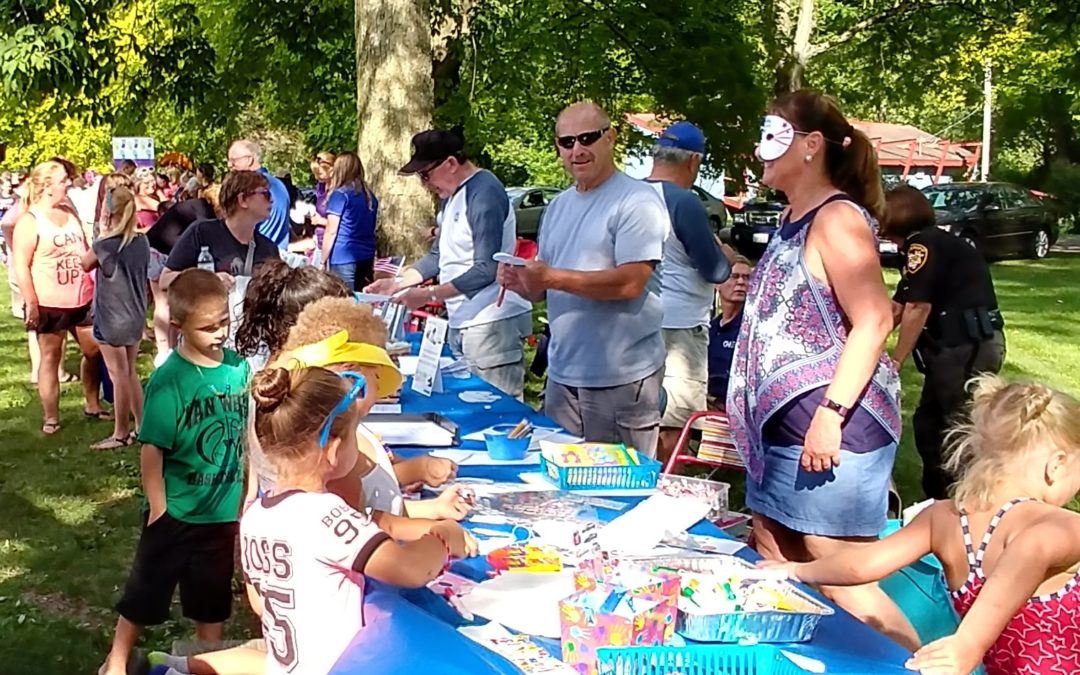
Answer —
(999, 219)
(759, 219)
(754, 224)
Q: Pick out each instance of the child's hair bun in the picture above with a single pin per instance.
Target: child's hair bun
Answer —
(270, 387)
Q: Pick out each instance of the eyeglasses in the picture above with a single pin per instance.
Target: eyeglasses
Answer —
(425, 175)
(586, 139)
(265, 192)
(358, 390)
(739, 277)
(234, 160)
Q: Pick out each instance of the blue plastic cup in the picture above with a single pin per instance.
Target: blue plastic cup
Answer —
(503, 448)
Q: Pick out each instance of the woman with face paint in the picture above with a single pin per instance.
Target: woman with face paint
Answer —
(814, 401)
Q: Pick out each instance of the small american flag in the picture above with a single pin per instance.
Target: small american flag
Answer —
(389, 266)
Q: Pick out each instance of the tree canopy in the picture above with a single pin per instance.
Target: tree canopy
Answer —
(192, 73)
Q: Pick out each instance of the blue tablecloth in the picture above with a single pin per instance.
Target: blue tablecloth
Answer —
(412, 632)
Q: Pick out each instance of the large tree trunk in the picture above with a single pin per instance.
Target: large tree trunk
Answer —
(793, 22)
(394, 100)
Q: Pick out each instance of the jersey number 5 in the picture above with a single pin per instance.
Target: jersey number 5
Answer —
(280, 634)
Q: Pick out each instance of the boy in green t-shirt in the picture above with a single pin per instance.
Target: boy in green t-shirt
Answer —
(192, 439)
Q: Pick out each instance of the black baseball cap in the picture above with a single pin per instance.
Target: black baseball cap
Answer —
(430, 148)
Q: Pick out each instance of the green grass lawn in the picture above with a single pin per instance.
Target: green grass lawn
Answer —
(69, 517)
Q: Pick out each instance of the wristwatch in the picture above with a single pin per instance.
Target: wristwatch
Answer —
(835, 407)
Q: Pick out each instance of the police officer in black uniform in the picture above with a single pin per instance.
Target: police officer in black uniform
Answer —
(949, 321)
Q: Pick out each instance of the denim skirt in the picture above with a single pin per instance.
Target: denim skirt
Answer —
(850, 500)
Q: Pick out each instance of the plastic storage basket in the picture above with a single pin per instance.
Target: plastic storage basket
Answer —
(695, 660)
(641, 476)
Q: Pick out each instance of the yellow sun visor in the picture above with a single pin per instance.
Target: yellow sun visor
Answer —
(337, 349)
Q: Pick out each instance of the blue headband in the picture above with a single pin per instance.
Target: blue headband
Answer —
(358, 390)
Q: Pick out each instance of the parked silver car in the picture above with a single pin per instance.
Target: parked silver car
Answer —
(529, 204)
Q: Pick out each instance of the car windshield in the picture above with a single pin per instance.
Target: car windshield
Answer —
(767, 195)
(515, 192)
(954, 198)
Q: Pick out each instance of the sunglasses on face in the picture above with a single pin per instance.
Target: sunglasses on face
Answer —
(358, 390)
(586, 139)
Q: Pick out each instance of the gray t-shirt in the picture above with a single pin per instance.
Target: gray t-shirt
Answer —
(120, 290)
(605, 343)
(693, 259)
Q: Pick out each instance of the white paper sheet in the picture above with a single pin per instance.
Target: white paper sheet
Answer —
(408, 364)
(410, 433)
(386, 409)
(523, 601)
(641, 528)
(704, 544)
(486, 633)
(481, 458)
(371, 298)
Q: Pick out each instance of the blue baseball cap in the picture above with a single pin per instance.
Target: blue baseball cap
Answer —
(683, 135)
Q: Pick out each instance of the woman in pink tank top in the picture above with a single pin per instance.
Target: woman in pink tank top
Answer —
(48, 244)
(1018, 589)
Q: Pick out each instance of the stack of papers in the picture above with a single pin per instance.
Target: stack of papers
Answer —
(423, 433)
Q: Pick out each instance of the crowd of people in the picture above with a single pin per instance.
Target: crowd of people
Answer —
(651, 318)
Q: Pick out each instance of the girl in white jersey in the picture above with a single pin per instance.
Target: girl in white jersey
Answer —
(303, 549)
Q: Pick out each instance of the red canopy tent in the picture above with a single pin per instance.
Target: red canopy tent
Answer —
(907, 148)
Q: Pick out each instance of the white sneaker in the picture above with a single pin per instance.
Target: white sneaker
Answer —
(160, 358)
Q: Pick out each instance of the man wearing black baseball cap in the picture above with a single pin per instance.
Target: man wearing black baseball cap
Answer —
(475, 221)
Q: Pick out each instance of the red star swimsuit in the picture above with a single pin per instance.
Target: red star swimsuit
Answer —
(1044, 637)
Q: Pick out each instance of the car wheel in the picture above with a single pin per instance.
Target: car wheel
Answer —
(1040, 246)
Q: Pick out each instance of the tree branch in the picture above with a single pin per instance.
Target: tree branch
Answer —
(900, 8)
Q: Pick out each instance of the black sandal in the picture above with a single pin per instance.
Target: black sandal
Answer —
(50, 428)
(100, 415)
(112, 443)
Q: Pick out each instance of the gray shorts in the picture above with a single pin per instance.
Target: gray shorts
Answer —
(627, 413)
(495, 351)
(686, 373)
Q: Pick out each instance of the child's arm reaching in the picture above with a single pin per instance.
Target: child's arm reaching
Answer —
(1041, 550)
(414, 564)
(450, 505)
(402, 528)
(152, 466)
(863, 564)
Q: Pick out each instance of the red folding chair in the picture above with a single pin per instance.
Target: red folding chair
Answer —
(717, 448)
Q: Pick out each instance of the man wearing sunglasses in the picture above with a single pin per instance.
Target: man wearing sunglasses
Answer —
(475, 221)
(245, 155)
(600, 244)
(693, 263)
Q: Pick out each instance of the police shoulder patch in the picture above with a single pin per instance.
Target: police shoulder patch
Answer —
(917, 256)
